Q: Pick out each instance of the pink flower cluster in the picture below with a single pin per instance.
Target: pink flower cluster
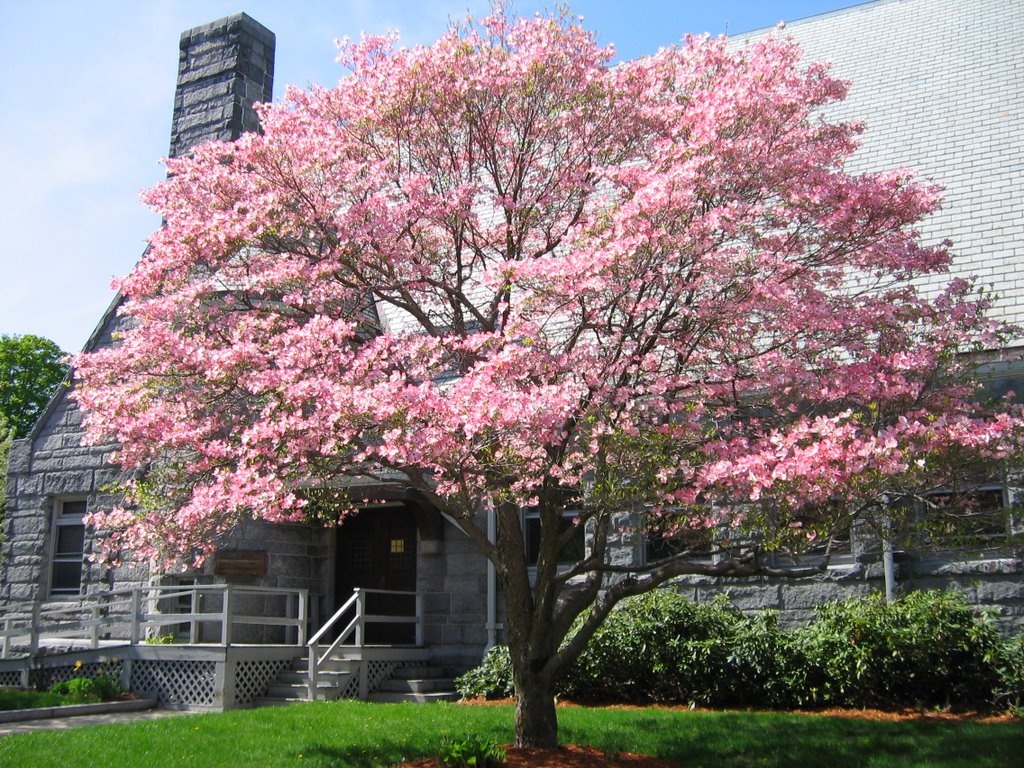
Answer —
(497, 264)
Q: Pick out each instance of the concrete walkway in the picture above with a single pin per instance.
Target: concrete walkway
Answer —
(64, 723)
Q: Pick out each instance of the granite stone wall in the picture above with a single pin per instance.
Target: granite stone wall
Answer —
(452, 575)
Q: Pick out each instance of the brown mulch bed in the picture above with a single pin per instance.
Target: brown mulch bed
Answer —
(856, 714)
(566, 756)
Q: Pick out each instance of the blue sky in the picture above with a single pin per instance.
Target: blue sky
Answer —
(86, 92)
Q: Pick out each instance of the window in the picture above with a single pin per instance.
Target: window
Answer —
(68, 547)
(696, 542)
(970, 517)
(572, 552)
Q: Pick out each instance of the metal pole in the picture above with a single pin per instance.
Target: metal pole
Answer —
(193, 625)
(136, 609)
(225, 631)
(302, 611)
(360, 615)
(34, 637)
(887, 568)
(419, 620)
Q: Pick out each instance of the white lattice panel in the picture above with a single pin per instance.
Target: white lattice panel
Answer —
(175, 682)
(378, 672)
(252, 678)
(10, 678)
(351, 689)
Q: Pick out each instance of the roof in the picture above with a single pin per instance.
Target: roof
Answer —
(940, 84)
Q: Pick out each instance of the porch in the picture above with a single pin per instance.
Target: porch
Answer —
(216, 647)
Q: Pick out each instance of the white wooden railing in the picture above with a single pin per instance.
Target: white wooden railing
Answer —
(354, 633)
(132, 615)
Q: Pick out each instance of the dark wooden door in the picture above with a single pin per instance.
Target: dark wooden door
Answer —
(377, 550)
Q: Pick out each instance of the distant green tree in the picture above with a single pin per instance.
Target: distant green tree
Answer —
(31, 369)
(6, 435)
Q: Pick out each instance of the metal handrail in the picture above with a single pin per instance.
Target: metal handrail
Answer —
(356, 626)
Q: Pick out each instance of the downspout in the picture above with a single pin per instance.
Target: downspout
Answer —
(492, 584)
(887, 564)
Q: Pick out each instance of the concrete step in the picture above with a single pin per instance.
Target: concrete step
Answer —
(325, 677)
(328, 665)
(388, 697)
(280, 690)
(273, 701)
(418, 673)
(429, 685)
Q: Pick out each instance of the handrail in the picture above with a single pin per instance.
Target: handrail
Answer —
(137, 608)
(356, 626)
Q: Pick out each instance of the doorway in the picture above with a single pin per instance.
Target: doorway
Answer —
(376, 550)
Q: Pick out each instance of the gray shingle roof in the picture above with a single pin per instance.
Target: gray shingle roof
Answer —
(940, 84)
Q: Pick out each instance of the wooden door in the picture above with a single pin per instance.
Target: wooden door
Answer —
(377, 550)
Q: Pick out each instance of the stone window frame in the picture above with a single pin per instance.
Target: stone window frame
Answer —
(530, 514)
(1010, 526)
(62, 519)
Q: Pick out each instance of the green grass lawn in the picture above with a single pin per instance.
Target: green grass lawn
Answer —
(365, 735)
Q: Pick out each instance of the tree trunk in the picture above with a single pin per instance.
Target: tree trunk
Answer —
(536, 721)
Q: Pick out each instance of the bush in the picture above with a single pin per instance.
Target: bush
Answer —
(85, 690)
(20, 698)
(470, 752)
(492, 679)
(929, 649)
(1010, 690)
(658, 647)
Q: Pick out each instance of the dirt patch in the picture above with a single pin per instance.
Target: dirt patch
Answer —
(566, 756)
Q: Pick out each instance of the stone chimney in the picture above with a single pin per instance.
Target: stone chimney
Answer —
(224, 67)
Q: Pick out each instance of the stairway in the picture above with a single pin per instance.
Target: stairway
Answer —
(420, 684)
(292, 685)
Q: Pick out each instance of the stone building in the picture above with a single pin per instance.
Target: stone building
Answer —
(939, 85)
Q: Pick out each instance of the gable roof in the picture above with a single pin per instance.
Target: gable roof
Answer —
(940, 85)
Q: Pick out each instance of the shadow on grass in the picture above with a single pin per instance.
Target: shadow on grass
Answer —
(740, 739)
(351, 756)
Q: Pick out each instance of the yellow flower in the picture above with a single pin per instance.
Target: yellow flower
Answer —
(78, 665)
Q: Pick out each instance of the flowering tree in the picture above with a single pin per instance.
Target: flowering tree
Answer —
(517, 276)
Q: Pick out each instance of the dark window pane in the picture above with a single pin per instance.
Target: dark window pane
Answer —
(72, 508)
(70, 540)
(573, 551)
(67, 577)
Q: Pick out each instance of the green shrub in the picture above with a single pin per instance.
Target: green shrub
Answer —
(1010, 689)
(470, 752)
(764, 664)
(658, 647)
(926, 649)
(492, 679)
(85, 690)
(78, 690)
(19, 698)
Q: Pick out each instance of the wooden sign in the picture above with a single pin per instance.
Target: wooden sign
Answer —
(241, 563)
